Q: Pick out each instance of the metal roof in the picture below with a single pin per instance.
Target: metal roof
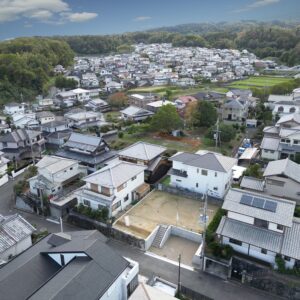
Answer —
(283, 215)
(291, 241)
(135, 111)
(83, 142)
(252, 183)
(269, 143)
(54, 164)
(13, 229)
(209, 160)
(247, 233)
(284, 167)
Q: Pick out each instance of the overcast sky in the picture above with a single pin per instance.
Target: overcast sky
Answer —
(72, 17)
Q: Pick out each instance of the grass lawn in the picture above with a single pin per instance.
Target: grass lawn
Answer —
(259, 81)
(112, 116)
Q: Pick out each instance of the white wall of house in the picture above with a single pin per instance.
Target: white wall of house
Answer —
(10, 110)
(269, 154)
(242, 249)
(256, 252)
(16, 249)
(282, 187)
(44, 120)
(273, 227)
(216, 182)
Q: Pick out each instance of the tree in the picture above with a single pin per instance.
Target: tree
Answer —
(189, 113)
(118, 100)
(205, 114)
(166, 119)
(62, 82)
(227, 132)
(168, 94)
(253, 171)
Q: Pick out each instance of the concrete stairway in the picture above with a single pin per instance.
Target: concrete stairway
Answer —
(159, 236)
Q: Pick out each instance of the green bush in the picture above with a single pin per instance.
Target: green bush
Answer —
(120, 134)
(297, 211)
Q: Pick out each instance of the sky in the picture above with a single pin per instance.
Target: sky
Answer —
(79, 17)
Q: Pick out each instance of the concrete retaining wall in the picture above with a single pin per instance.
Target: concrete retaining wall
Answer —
(149, 240)
(166, 236)
(3, 179)
(186, 234)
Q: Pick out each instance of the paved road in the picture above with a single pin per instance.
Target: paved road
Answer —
(206, 284)
(7, 208)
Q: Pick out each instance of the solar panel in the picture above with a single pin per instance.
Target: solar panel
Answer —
(258, 202)
(246, 199)
(270, 206)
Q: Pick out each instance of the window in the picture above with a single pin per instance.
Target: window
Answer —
(204, 172)
(286, 258)
(216, 174)
(197, 184)
(197, 170)
(296, 142)
(116, 205)
(94, 187)
(178, 180)
(280, 109)
(292, 109)
(121, 187)
(126, 198)
(133, 178)
(280, 227)
(71, 168)
(215, 188)
(260, 223)
(87, 202)
(236, 242)
(264, 251)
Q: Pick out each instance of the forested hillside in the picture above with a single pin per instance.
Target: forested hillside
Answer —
(279, 40)
(26, 66)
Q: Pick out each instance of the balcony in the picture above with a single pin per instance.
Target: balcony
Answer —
(179, 173)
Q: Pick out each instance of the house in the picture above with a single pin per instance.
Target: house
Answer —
(260, 226)
(53, 175)
(22, 144)
(25, 120)
(283, 139)
(46, 103)
(13, 108)
(146, 154)
(54, 126)
(113, 86)
(114, 187)
(236, 93)
(156, 105)
(82, 119)
(235, 110)
(45, 117)
(182, 101)
(98, 105)
(282, 179)
(15, 236)
(141, 100)
(92, 151)
(81, 95)
(75, 265)
(202, 172)
(135, 114)
(282, 108)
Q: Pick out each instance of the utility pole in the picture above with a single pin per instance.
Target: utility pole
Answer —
(203, 220)
(217, 134)
(179, 279)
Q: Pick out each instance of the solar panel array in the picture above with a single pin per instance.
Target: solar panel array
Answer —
(259, 203)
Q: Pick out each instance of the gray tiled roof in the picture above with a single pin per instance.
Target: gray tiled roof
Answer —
(210, 161)
(136, 111)
(291, 242)
(82, 278)
(283, 215)
(116, 175)
(284, 167)
(252, 183)
(142, 151)
(269, 143)
(83, 142)
(247, 233)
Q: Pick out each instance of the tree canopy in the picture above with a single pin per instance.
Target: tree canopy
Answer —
(205, 114)
(166, 119)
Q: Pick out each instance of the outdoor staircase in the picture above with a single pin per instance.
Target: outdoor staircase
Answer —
(159, 236)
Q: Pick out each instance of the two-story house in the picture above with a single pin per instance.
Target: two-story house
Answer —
(261, 227)
(282, 179)
(235, 110)
(283, 139)
(141, 100)
(202, 172)
(69, 265)
(45, 117)
(21, 144)
(135, 114)
(91, 151)
(145, 154)
(13, 108)
(53, 175)
(83, 119)
(113, 187)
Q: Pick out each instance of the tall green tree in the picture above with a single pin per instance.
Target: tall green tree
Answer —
(166, 119)
(205, 114)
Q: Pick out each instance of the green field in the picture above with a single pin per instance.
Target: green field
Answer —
(259, 82)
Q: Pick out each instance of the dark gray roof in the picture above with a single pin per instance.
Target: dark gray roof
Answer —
(19, 135)
(210, 161)
(84, 142)
(252, 183)
(86, 277)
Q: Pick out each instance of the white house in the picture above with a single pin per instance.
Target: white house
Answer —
(15, 236)
(83, 119)
(54, 173)
(260, 226)
(202, 172)
(12, 108)
(113, 187)
(25, 120)
(82, 95)
(45, 117)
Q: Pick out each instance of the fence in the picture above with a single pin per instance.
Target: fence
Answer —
(191, 294)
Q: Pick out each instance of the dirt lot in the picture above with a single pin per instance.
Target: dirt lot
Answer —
(163, 208)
